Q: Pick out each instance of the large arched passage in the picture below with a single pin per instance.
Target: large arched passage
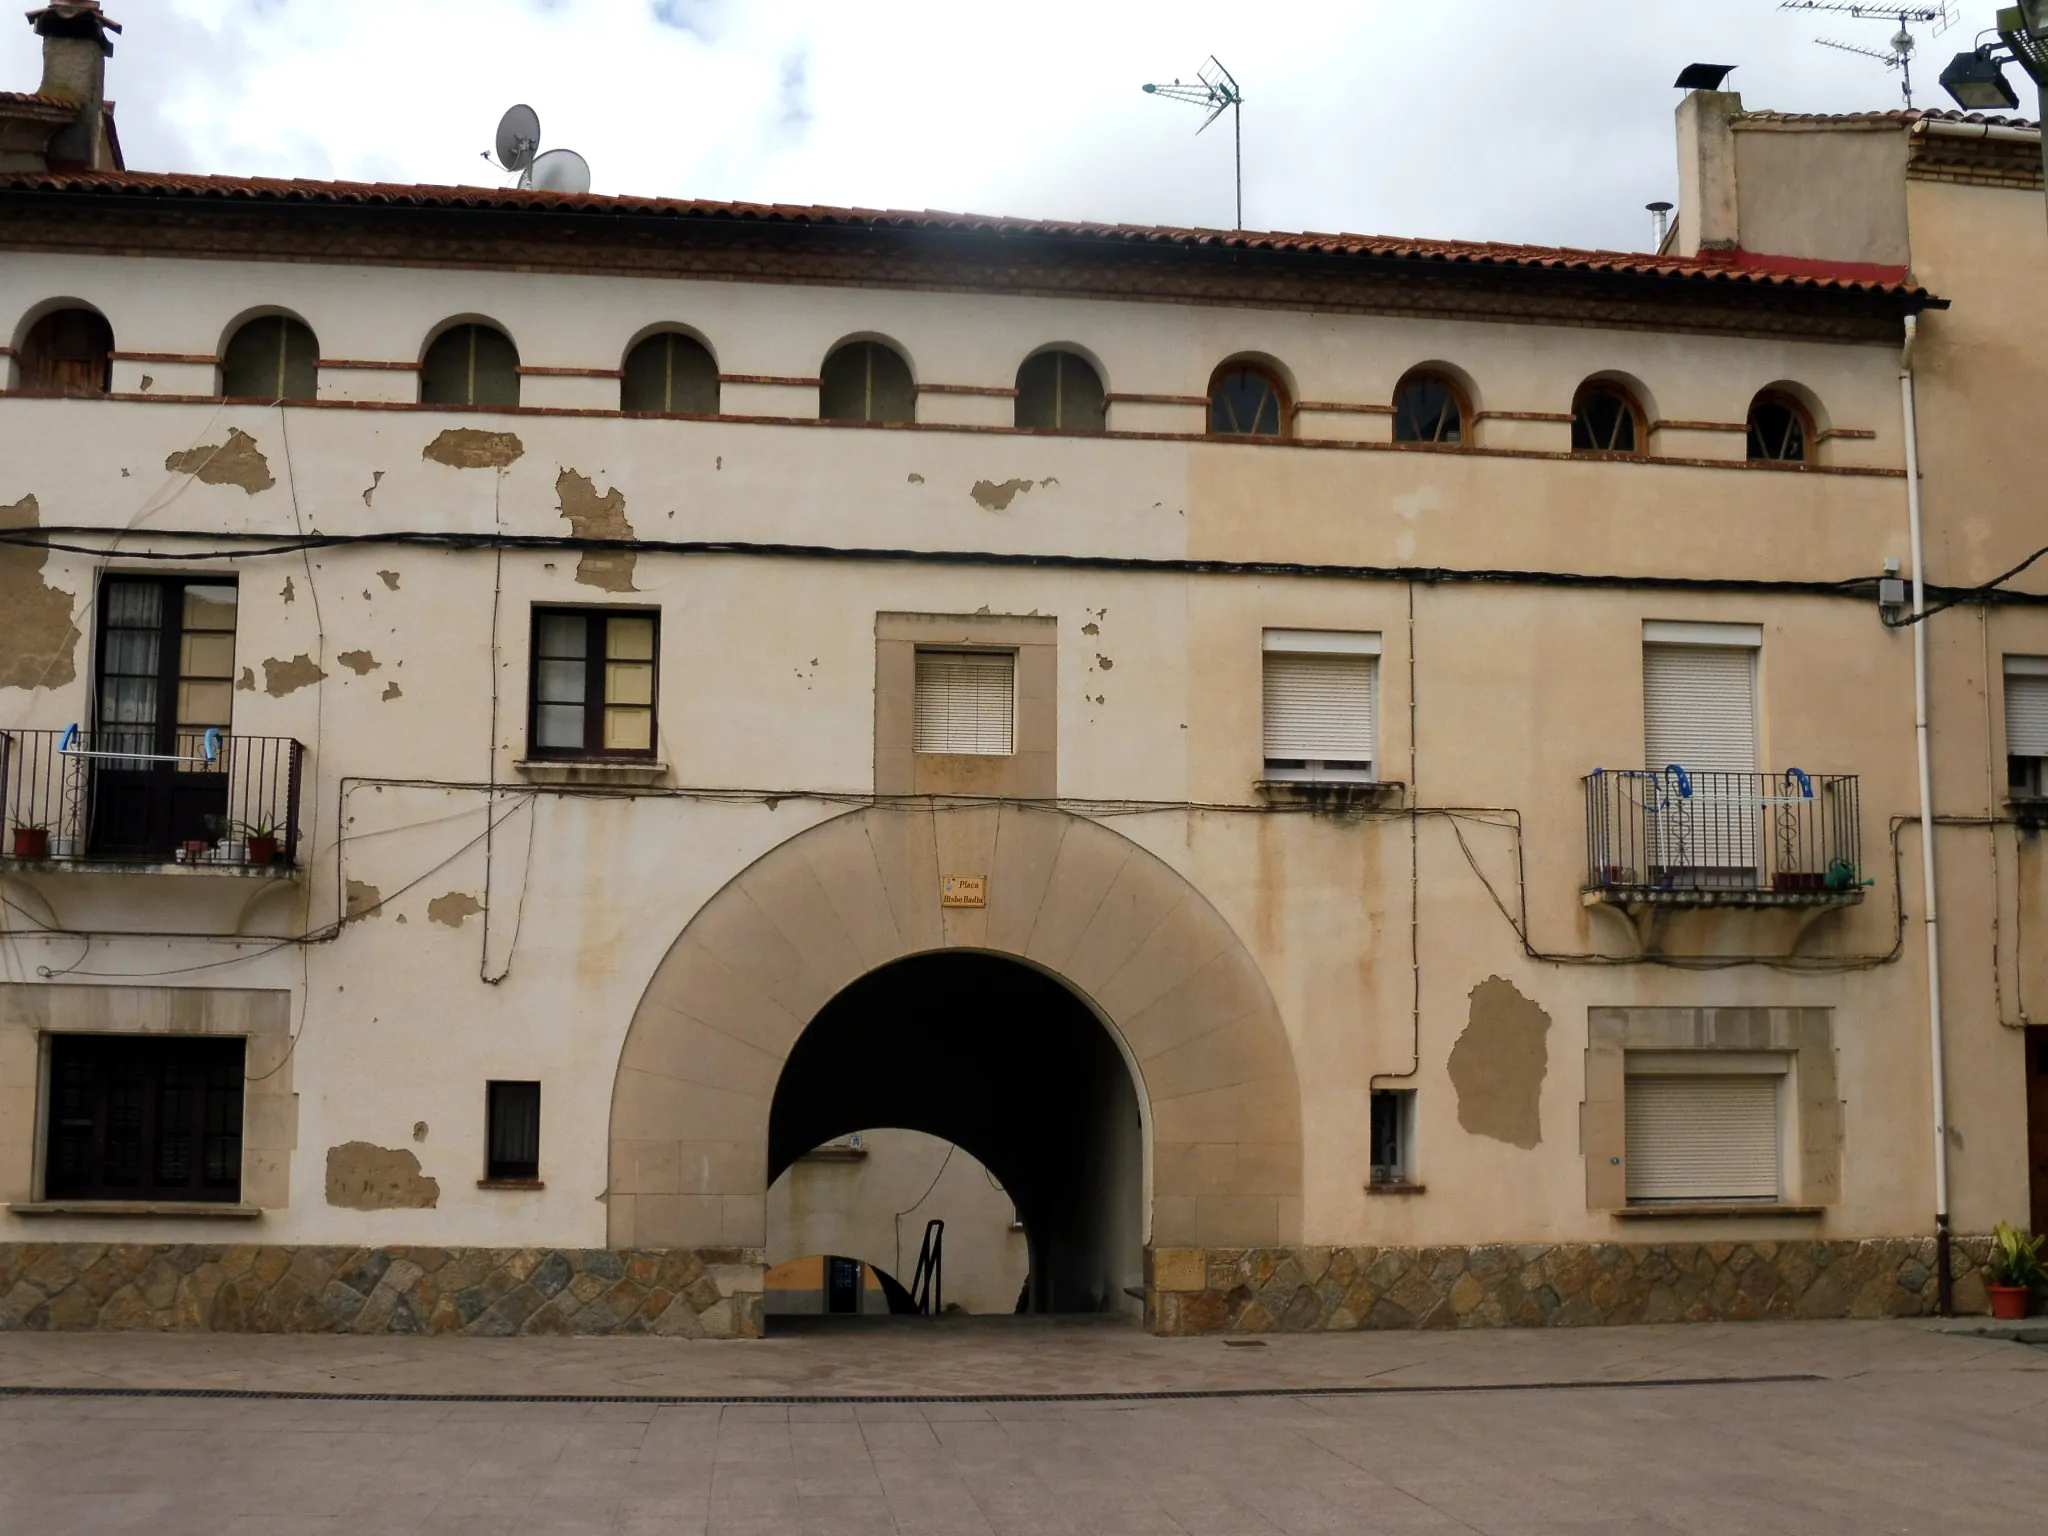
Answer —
(1169, 984)
(1005, 1062)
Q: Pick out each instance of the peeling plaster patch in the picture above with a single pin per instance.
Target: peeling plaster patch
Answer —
(376, 479)
(38, 642)
(246, 683)
(362, 1177)
(1091, 629)
(1104, 663)
(467, 448)
(359, 662)
(991, 497)
(390, 580)
(148, 382)
(592, 516)
(419, 1130)
(359, 898)
(238, 461)
(451, 910)
(283, 677)
(287, 591)
(392, 691)
(1497, 1066)
(916, 478)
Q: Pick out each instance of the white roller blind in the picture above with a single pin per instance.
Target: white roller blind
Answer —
(1699, 707)
(966, 703)
(2026, 714)
(1319, 707)
(1703, 1138)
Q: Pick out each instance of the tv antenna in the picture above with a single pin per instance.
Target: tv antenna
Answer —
(1215, 88)
(558, 170)
(1937, 19)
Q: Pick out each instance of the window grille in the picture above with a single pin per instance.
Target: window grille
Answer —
(144, 1117)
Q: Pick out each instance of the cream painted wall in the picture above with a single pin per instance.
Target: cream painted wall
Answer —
(767, 701)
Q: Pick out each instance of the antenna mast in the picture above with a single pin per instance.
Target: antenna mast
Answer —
(1213, 87)
(1937, 18)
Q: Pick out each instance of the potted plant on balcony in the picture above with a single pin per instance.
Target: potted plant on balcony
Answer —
(262, 840)
(2015, 1269)
(31, 842)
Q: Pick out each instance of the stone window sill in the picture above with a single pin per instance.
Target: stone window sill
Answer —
(1397, 1189)
(511, 1184)
(199, 1210)
(1718, 1210)
(600, 771)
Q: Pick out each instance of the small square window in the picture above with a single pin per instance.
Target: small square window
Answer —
(966, 703)
(2026, 726)
(513, 1132)
(1393, 1137)
(594, 683)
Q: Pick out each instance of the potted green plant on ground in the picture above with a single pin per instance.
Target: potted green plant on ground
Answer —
(2016, 1268)
(31, 842)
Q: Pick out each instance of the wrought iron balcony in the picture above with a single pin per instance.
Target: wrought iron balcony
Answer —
(215, 801)
(1667, 836)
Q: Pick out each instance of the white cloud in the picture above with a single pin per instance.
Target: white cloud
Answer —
(1551, 125)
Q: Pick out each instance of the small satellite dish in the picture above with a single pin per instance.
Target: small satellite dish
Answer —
(560, 170)
(518, 137)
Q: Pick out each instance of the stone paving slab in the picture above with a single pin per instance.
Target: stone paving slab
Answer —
(1882, 1427)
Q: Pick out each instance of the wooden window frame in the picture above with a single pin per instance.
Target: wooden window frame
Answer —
(1459, 399)
(212, 1056)
(1283, 400)
(1059, 357)
(469, 400)
(32, 356)
(1809, 446)
(282, 366)
(1630, 403)
(668, 336)
(594, 699)
(867, 347)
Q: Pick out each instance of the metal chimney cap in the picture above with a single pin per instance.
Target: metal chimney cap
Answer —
(1702, 77)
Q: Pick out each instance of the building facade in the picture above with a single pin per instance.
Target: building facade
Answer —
(1367, 781)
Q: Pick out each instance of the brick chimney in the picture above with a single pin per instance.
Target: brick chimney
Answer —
(75, 51)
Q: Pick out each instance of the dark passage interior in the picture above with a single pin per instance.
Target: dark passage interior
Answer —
(1010, 1065)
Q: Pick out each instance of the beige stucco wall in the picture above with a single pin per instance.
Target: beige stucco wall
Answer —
(1829, 191)
(768, 698)
(874, 1208)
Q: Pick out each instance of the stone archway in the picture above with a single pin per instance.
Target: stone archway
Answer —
(1177, 989)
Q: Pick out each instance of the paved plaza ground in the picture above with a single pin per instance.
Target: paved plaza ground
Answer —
(1028, 1426)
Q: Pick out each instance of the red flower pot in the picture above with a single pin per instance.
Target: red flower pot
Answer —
(31, 842)
(262, 850)
(2009, 1302)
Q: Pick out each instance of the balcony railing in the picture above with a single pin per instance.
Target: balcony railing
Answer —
(113, 797)
(1748, 838)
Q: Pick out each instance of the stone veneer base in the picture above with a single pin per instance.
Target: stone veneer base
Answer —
(486, 1292)
(1304, 1290)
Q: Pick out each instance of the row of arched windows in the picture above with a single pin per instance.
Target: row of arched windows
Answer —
(276, 357)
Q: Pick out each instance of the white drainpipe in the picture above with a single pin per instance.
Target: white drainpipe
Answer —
(1944, 1275)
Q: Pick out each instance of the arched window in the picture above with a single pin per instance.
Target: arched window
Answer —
(866, 381)
(671, 373)
(1779, 428)
(1060, 392)
(1428, 408)
(68, 352)
(273, 358)
(470, 365)
(1247, 402)
(1605, 419)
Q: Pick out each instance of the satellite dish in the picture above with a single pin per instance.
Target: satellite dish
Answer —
(560, 170)
(518, 137)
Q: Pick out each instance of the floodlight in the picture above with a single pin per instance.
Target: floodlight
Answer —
(1978, 84)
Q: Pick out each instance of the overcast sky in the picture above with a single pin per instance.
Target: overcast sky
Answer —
(1554, 126)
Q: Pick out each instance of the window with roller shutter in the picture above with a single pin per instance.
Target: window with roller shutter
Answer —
(966, 703)
(1704, 1136)
(1320, 711)
(2026, 726)
(1699, 714)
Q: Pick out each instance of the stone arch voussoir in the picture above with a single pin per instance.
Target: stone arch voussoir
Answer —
(1158, 963)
